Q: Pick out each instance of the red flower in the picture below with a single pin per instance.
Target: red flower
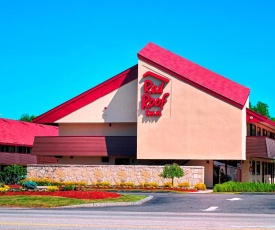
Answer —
(69, 194)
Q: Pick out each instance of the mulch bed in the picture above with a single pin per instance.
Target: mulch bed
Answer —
(68, 194)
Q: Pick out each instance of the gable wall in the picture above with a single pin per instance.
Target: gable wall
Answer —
(117, 106)
(194, 124)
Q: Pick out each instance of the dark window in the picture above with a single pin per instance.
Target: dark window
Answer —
(105, 159)
(259, 133)
(264, 133)
(253, 167)
(122, 161)
(28, 150)
(258, 168)
(252, 130)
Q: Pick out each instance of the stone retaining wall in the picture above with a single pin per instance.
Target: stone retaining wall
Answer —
(113, 173)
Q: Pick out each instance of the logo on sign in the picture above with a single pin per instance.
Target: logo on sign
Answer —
(151, 102)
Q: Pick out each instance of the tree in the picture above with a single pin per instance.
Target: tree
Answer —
(26, 117)
(261, 108)
(172, 171)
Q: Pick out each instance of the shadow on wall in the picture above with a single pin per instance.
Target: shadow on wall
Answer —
(121, 146)
(122, 107)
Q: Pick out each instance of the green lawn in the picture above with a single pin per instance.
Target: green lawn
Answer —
(52, 201)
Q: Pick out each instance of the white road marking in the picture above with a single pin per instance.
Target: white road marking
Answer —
(212, 208)
(233, 199)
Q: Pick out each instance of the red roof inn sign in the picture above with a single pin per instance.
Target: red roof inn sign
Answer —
(153, 105)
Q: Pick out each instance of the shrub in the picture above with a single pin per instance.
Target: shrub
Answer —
(50, 182)
(172, 171)
(150, 184)
(81, 183)
(4, 188)
(12, 174)
(42, 181)
(103, 184)
(52, 188)
(69, 187)
(29, 185)
(127, 184)
(232, 186)
(184, 184)
(167, 185)
(200, 186)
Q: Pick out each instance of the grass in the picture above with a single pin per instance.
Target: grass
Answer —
(51, 201)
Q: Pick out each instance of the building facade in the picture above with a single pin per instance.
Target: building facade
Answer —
(16, 142)
(164, 109)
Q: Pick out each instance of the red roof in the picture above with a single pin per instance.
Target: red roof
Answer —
(14, 132)
(254, 117)
(195, 75)
(89, 96)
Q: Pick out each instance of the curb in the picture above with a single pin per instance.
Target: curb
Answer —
(109, 204)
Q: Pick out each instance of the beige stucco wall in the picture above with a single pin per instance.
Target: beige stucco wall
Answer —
(98, 129)
(112, 173)
(120, 106)
(194, 125)
(246, 175)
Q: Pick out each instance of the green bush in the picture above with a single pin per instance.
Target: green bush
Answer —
(69, 187)
(29, 185)
(232, 186)
(12, 174)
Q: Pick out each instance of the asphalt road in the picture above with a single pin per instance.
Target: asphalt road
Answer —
(164, 211)
(201, 203)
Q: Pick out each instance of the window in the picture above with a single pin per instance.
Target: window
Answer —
(264, 133)
(105, 159)
(253, 167)
(259, 131)
(258, 168)
(122, 161)
(252, 130)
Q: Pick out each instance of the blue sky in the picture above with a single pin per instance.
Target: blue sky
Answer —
(51, 51)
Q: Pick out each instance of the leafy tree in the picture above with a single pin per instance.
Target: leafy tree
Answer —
(261, 108)
(12, 174)
(172, 171)
(26, 117)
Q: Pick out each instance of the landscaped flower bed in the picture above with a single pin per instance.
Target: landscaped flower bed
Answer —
(68, 194)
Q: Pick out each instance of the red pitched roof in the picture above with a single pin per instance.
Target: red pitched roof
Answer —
(14, 132)
(89, 96)
(195, 75)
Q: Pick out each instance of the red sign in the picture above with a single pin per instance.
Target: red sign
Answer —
(153, 105)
